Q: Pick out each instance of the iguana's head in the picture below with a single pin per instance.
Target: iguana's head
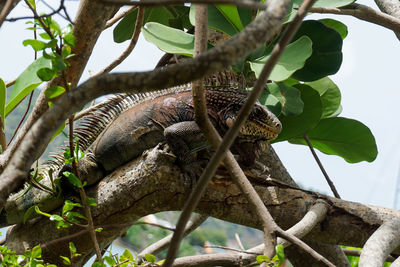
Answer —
(261, 125)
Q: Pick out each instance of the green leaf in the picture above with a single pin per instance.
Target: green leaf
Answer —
(46, 74)
(289, 97)
(326, 55)
(110, 260)
(126, 255)
(73, 179)
(231, 14)
(98, 264)
(91, 201)
(69, 39)
(150, 257)
(280, 253)
(216, 20)
(58, 131)
(28, 214)
(26, 82)
(336, 25)
(99, 230)
(330, 95)
(293, 58)
(45, 36)
(66, 260)
(124, 29)
(58, 63)
(38, 211)
(326, 3)
(56, 218)
(54, 91)
(72, 248)
(69, 205)
(347, 138)
(168, 39)
(3, 96)
(293, 126)
(36, 44)
(36, 252)
(271, 102)
(262, 258)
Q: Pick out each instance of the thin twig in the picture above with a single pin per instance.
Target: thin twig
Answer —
(3, 140)
(365, 13)
(36, 16)
(200, 110)
(232, 249)
(22, 119)
(242, 3)
(239, 241)
(119, 16)
(132, 44)
(11, 83)
(321, 167)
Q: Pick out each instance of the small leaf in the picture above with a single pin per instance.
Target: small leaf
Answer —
(66, 260)
(58, 131)
(280, 253)
(150, 257)
(72, 248)
(73, 179)
(69, 205)
(36, 44)
(110, 260)
(126, 255)
(54, 91)
(91, 201)
(56, 218)
(29, 214)
(289, 97)
(26, 82)
(45, 74)
(58, 63)
(45, 36)
(262, 258)
(347, 138)
(69, 39)
(98, 264)
(36, 252)
(99, 230)
(293, 59)
(38, 211)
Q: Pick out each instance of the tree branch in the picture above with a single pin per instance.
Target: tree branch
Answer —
(383, 241)
(364, 13)
(119, 16)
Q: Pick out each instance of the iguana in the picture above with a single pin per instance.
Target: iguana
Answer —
(130, 124)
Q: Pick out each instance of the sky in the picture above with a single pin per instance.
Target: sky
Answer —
(368, 80)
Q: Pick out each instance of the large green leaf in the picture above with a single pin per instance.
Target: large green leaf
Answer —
(326, 3)
(336, 25)
(293, 58)
(271, 102)
(216, 20)
(326, 57)
(293, 126)
(2, 101)
(347, 138)
(124, 29)
(26, 83)
(330, 95)
(168, 39)
(231, 14)
(289, 97)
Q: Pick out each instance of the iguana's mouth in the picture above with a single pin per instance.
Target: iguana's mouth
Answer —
(257, 130)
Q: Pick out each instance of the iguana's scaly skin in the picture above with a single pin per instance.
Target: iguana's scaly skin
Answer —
(129, 125)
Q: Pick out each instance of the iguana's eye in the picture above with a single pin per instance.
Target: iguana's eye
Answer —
(229, 121)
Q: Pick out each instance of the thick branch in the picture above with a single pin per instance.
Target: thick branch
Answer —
(380, 244)
(159, 185)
